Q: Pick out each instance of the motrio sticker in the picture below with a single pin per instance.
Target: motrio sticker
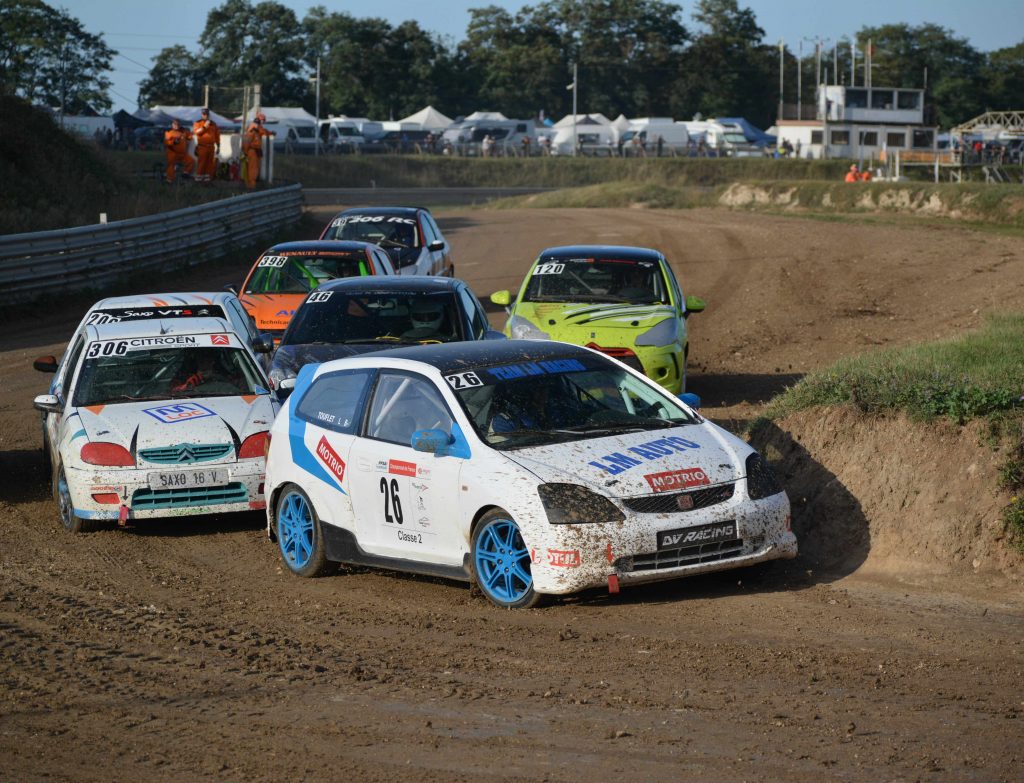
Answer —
(331, 459)
(675, 480)
(182, 411)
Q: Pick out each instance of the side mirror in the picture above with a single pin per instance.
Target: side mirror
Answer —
(691, 400)
(45, 364)
(230, 288)
(492, 334)
(694, 304)
(48, 403)
(431, 441)
(436, 245)
(287, 384)
(263, 343)
(502, 298)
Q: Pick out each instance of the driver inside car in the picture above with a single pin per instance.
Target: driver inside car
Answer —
(427, 317)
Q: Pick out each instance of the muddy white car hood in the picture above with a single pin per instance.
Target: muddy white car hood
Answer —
(641, 463)
(144, 425)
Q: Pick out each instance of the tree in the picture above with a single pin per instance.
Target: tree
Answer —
(46, 56)
(1003, 76)
(260, 44)
(176, 78)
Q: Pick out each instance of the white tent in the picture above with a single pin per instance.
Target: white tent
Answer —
(621, 124)
(190, 114)
(583, 119)
(429, 119)
(486, 115)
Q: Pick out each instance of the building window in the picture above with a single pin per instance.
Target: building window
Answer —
(840, 138)
(924, 139)
(895, 141)
(881, 99)
(816, 137)
(856, 99)
(908, 100)
(869, 138)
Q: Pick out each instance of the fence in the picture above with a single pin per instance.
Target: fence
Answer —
(90, 256)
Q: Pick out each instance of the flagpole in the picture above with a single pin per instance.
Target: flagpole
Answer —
(575, 140)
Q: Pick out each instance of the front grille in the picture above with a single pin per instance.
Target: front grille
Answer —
(668, 503)
(145, 499)
(185, 453)
(684, 556)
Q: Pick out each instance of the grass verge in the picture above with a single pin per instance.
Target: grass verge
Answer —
(977, 375)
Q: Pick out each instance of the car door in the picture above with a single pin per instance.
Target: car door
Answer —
(53, 423)
(406, 502)
(441, 257)
(326, 423)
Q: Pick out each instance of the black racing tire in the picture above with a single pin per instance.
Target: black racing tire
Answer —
(62, 494)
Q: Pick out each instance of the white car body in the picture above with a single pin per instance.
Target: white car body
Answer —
(187, 455)
(350, 479)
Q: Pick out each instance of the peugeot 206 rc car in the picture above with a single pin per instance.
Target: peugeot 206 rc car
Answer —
(156, 418)
(622, 301)
(530, 467)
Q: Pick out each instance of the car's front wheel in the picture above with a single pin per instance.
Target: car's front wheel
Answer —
(501, 562)
(299, 535)
(62, 494)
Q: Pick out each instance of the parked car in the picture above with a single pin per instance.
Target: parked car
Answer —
(622, 301)
(283, 274)
(356, 315)
(409, 235)
(156, 418)
(531, 468)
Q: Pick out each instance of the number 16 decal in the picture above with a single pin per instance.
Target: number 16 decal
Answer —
(392, 505)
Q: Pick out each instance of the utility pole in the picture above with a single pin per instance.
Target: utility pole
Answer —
(853, 62)
(782, 49)
(316, 147)
(799, 79)
(575, 88)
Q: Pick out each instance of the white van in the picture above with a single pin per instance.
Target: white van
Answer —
(674, 137)
(347, 134)
(467, 136)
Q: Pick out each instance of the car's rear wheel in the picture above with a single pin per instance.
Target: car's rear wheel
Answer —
(501, 562)
(299, 535)
(62, 494)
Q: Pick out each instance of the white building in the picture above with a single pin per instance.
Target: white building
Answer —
(861, 123)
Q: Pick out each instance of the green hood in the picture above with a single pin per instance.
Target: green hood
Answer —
(609, 325)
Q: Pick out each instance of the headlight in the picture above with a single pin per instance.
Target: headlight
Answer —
(761, 481)
(571, 504)
(663, 333)
(523, 329)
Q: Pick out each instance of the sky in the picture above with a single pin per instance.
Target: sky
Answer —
(139, 29)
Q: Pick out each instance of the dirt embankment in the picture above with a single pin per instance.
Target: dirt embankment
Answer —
(886, 495)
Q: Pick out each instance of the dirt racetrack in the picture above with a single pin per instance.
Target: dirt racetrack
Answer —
(179, 650)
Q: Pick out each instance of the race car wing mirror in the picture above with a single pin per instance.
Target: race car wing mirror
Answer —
(436, 245)
(502, 298)
(431, 441)
(45, 364)
(230, 288)
(691, 399)
(48, 403)
(287, 384)
(694, 304)
(263, 343)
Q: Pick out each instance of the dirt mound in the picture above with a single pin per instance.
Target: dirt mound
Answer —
(883, 493)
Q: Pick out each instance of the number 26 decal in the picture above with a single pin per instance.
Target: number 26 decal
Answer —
(392, 505)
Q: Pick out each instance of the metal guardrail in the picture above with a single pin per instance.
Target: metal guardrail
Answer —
(89, 256)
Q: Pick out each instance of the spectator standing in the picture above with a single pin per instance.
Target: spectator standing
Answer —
(797, 148)
(176, 146)
(486, 144)
(252, 148)
(853, 175)
(526, 146)
(661, 144)
(207, 145)
(620, 144)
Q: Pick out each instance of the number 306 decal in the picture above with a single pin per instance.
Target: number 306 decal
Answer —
(463, 380)
(118, 348)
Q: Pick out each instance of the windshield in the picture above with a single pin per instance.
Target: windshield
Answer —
(300, 273)
(522, 405)
(397, 317)
(165, 374)
(383, 230)
(591, 280)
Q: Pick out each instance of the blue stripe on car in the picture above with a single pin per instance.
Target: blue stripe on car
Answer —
(301, 456)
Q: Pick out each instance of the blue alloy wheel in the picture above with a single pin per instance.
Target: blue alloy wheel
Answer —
(298, 534)
(501, 562)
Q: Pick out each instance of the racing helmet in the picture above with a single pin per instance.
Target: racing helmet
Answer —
(426, 314)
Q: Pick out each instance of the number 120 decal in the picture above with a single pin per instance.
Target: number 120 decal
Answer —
(392, 505)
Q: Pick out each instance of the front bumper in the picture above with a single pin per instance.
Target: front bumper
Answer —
(243, 492)
(570, 558)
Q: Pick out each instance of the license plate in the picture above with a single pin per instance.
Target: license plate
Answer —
(185, 479)
(694, 536)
